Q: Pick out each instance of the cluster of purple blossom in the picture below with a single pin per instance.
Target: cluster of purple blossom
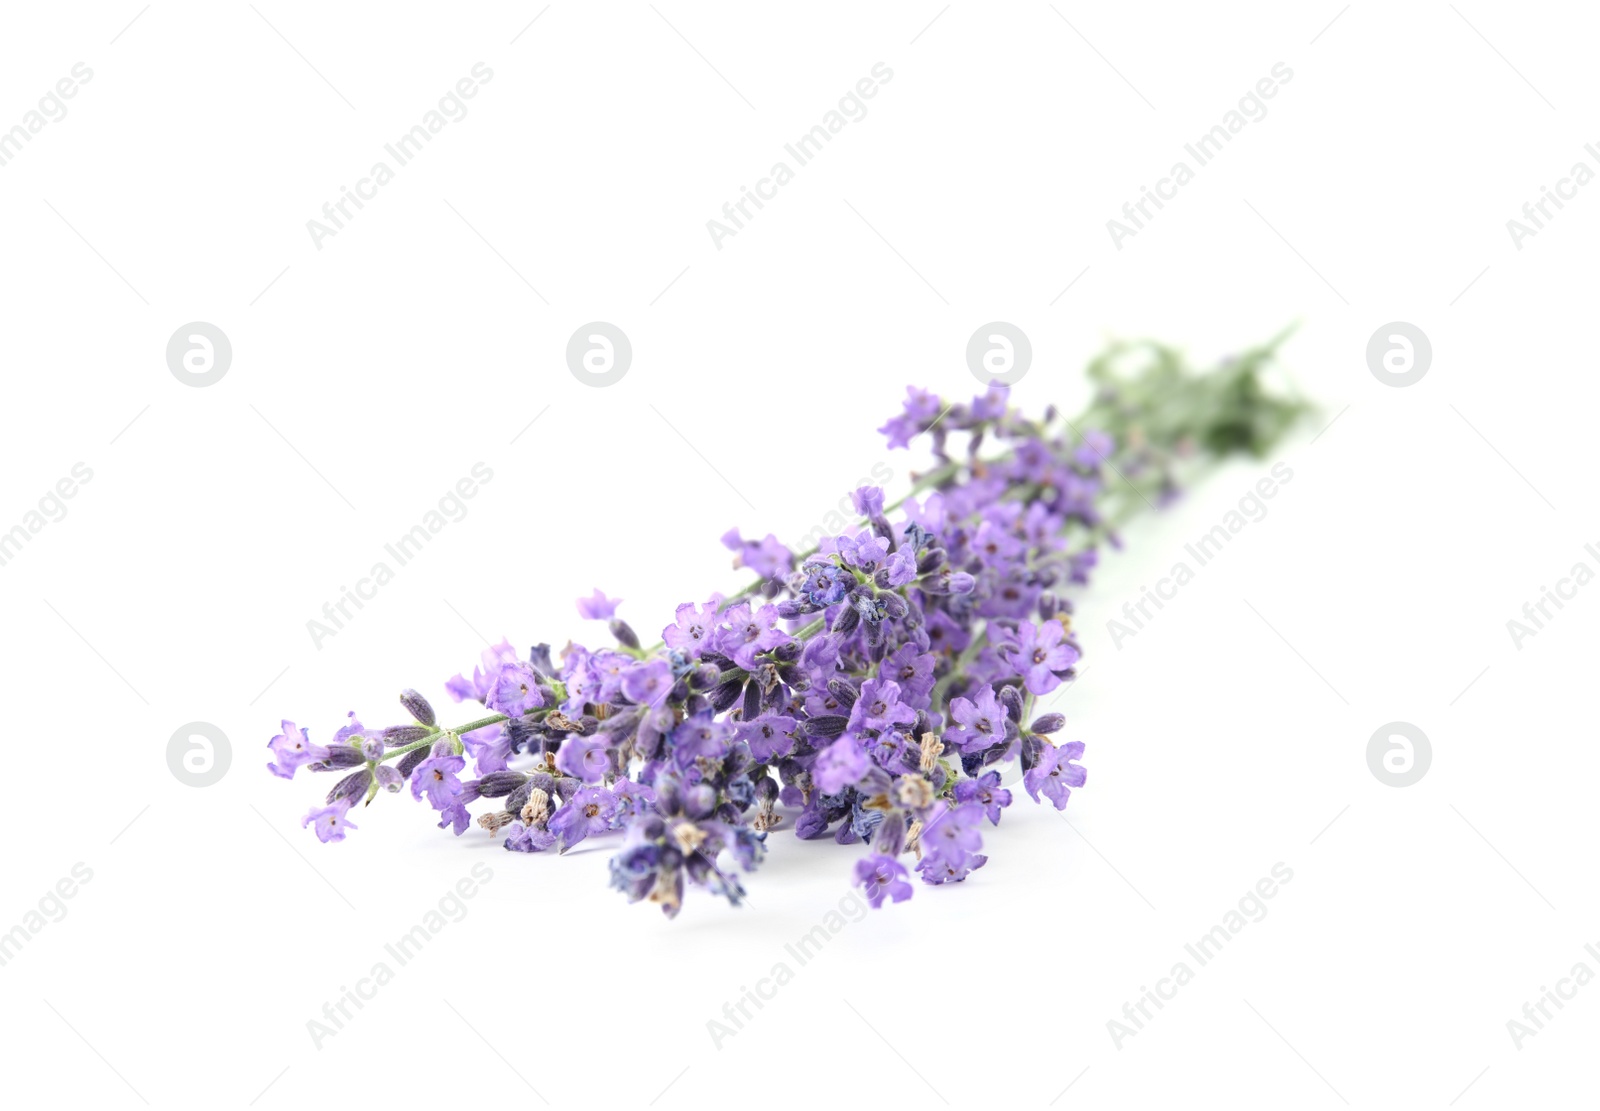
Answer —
(872, 690)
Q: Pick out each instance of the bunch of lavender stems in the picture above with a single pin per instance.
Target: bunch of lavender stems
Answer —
(875, 689)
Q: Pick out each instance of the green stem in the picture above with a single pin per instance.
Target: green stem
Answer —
(492, 719)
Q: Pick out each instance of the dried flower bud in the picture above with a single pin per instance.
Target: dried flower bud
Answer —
(913, 792)
(536, 811)
(914, 839)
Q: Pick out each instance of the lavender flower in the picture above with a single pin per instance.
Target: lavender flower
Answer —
(436, 778)
(882, 877)
(1042, 653)
(879, 708)
(840, 765)
(590, 811)
(1055, 774)
(986, 792)
(516, 690)
(980, 724)
(598, 607)
(291, 750)
(767, 557)
(329, 821)
(872, 690)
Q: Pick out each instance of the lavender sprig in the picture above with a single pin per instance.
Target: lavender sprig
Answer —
(879, 685)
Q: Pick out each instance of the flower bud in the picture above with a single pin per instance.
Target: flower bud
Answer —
(417, 706)
(843, 691)
(352, 786)
(1032, 746)
(498, 784)
(624, 633)
(1011, 698)
(773, 698)
(518, 797)
(826, 725)
(1047, 723)
(726, 695)
(342, 756)
(890, 840)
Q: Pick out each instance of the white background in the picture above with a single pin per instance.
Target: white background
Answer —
(368, 376)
